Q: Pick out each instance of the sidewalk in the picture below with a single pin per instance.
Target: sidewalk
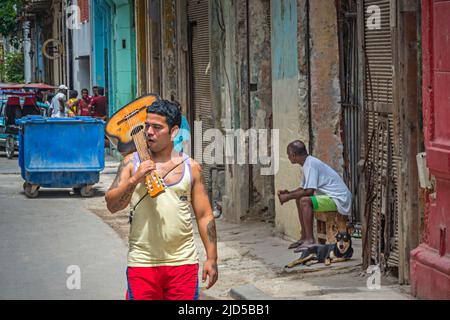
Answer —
(252, 261)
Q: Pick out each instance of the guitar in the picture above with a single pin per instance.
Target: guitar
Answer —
(125, 130)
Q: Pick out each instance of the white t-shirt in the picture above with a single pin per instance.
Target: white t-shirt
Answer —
(322, 178)
(55, 106)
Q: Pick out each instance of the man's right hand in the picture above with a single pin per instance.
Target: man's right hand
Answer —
(282, 196)
(144, 170)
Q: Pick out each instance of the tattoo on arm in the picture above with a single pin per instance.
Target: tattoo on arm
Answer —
(119, 173)
(203, 183)
(124, 198)
(211, 230)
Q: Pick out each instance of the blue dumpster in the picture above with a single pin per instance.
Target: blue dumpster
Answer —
(61, 153)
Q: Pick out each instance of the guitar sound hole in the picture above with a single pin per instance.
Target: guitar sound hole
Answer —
(136, 130)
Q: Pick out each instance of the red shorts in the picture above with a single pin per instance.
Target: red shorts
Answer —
(163, 283)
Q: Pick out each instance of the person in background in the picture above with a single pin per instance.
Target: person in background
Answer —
(48, 102)
(58, 104)
(94, 91)
(39, 96)
(321, 190)
(99, 104)
(85, 101)
(73, 104)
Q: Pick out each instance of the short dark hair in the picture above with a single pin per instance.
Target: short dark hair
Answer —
(169, 109)
(73, 94)
(101, 91)
(84, 90)
(298, 148)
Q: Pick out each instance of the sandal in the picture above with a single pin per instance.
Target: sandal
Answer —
(303, 248)
(296, 244)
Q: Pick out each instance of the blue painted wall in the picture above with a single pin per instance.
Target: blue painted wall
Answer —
(113, 29)
(284, 39)
(287, 113)
(102, 39)
(124, 54)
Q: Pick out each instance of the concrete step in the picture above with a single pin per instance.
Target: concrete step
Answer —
(248, 292)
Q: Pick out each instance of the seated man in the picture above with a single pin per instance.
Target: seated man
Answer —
(333, 194)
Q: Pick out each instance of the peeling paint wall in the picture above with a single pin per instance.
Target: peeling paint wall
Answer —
(142, 69)
(262, 197)
(236, 201)
(290, 92)
(303, 75)
(225, 95)
(286, 111)
(242, 96)
(260, 79)
(169, 50)
(325, 90)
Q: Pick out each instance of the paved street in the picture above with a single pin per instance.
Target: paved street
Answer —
(40, 238)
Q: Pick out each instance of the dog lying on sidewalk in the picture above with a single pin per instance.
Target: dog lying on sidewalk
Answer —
(339, 251)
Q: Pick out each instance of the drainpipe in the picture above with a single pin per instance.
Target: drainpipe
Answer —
(249, 124)
(26, 51)
(308, 67)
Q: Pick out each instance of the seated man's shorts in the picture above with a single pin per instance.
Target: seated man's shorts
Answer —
(323, 203)
(163, 283)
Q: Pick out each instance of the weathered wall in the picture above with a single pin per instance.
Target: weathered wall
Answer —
(287, 116)
(229, 94)
(260, 67)
(290, 92)
(242, 97)
(169, 52)
(325, 92)
(303, 71)
(154, 46)
(140, 21)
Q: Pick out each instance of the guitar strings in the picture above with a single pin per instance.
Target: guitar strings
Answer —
(139, 142)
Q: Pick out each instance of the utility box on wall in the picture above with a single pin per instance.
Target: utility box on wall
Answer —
(424, 173)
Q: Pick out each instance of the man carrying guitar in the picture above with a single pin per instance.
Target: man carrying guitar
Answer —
(162, 257)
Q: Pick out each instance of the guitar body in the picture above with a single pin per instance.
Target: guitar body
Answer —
(118, 128)
(125, 130)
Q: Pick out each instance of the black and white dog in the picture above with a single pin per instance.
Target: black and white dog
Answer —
(339, 251)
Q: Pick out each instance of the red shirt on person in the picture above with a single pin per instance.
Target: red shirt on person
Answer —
(99, 106)
(84, 107)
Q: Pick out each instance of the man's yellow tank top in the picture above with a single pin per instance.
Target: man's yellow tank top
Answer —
(161, 232)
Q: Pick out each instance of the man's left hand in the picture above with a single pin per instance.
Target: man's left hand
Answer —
(210, 270)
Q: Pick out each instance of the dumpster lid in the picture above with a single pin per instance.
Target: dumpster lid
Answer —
(41, 119)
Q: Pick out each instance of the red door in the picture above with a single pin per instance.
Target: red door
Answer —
(430, 262)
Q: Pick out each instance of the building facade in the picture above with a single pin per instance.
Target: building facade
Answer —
(344, 76)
